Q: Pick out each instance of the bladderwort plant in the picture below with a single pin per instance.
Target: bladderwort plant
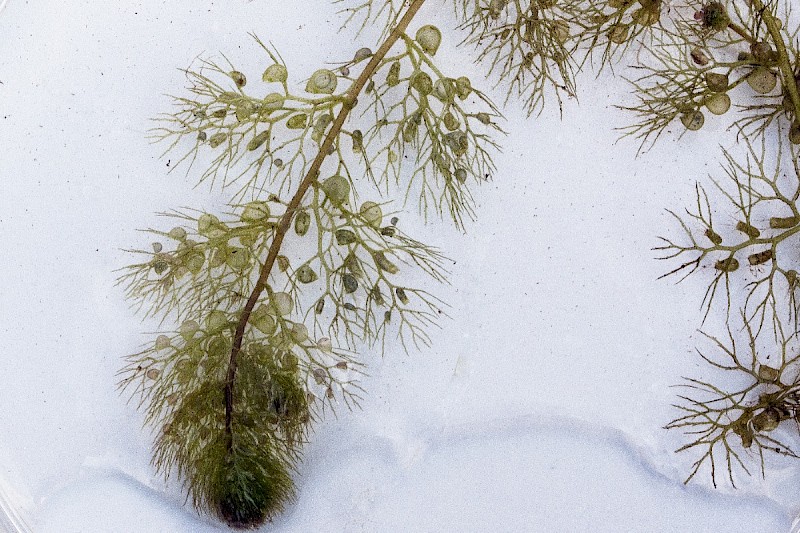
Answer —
(740, 232)
(271, 298)
(271, 301)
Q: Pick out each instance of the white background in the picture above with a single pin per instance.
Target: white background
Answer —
(539, 406)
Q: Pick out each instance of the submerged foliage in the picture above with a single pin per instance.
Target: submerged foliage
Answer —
(740, 232)
(270, 302)
(310, 263)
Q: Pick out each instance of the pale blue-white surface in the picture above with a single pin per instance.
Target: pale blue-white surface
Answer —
(539, 406)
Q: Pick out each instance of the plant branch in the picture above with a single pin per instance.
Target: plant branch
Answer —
(285, 221)
(741, 32)
(789, 82)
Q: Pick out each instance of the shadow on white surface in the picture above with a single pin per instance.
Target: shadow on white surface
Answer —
(533, 473)
(11, 517)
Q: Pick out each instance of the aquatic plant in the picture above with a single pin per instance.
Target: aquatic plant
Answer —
(267, 306)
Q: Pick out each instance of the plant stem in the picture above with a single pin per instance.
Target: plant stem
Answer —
(772, 241)
(285, 222)
(741, 32)
(789, 82)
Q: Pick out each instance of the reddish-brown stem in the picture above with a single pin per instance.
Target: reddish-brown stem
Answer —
(286, 220)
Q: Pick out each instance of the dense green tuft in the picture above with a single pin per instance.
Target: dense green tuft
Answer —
(252, 486)
(245, 478)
